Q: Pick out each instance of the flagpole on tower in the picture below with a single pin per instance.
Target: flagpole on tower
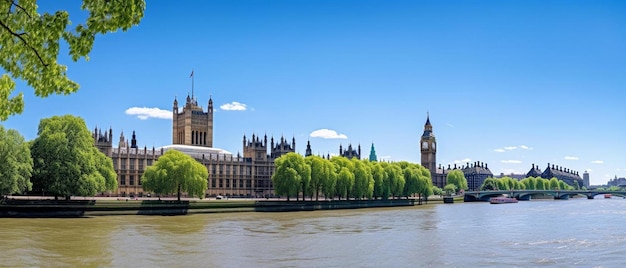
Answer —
(191, 83)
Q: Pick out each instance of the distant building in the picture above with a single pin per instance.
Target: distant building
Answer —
(476, 174)
(349, 152)
(308, 149)
(373, 157)
(192, 134)
(586, 179)
(567, 175)
(619, 182)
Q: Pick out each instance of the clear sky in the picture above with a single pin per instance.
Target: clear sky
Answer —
(509, 83)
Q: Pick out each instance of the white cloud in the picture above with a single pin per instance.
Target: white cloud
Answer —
(571, 158)
(450, 125)
(327, 134)
(589, 170)
(511, 148)
(234, 106)
(511, 161)
(144, 113)
(466, 160)
(597, 162)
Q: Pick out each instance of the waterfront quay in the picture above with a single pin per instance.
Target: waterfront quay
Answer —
(106, 206)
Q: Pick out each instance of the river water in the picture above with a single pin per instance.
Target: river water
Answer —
(538, 233)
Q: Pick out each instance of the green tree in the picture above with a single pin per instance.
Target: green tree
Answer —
(317, 169)
(449, 189)
(16, 165)
(489, 184)
(322, 174)
(176, 172)
(540, 183)
(345, 180)
(292, 175)
(554, 184)
(411, 181)
(378, 174)
(66, 163)
(30, 44)
(437, 190)
(457, 178)
(425, 186)
(502, 184)
(394, 179)
(363, 181)
(329, 181)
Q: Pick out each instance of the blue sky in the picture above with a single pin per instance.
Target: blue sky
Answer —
(509, 83)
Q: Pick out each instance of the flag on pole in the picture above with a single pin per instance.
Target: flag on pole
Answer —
(190, 76)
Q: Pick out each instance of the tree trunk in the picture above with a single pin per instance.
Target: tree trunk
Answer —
(179, 192)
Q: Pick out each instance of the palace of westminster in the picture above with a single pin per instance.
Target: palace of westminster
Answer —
(250, 175)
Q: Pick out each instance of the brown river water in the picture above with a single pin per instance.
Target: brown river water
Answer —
(541, 233)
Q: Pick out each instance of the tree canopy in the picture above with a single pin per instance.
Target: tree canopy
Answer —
(30, 44)
(345, 178)
(16, 165)
(457, 178)
(292, 175)
(176, 172)
(65, 162)
(529, 183)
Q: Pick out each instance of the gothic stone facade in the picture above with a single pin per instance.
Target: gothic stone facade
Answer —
(192, 133)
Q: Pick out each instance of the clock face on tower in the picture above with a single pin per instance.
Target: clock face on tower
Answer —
(424, 145)
(434, 146)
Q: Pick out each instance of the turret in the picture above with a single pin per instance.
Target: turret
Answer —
(133, 141)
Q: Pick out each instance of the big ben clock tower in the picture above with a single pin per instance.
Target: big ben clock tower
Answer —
(428, 146)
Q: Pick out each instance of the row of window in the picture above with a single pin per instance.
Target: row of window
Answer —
(221, 183)
(131, 163)
(131, 180)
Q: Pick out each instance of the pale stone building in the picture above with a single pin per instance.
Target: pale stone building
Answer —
(192, 133)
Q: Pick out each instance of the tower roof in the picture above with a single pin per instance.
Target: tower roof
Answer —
(428, 128)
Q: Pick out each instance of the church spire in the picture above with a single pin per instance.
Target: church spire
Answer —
(373, 154)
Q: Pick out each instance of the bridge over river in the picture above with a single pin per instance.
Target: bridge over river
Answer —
(528, 194)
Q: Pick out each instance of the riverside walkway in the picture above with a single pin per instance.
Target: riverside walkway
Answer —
(528, 194)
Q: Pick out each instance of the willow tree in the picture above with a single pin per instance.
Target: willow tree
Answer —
(322, 176)
(176, 172)
(16, 165)
(345, 181)
(30, 44)
(65, 162)
(363, 181)
(378, 174)
(292, 175)
(394, 178)
(457, 178)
